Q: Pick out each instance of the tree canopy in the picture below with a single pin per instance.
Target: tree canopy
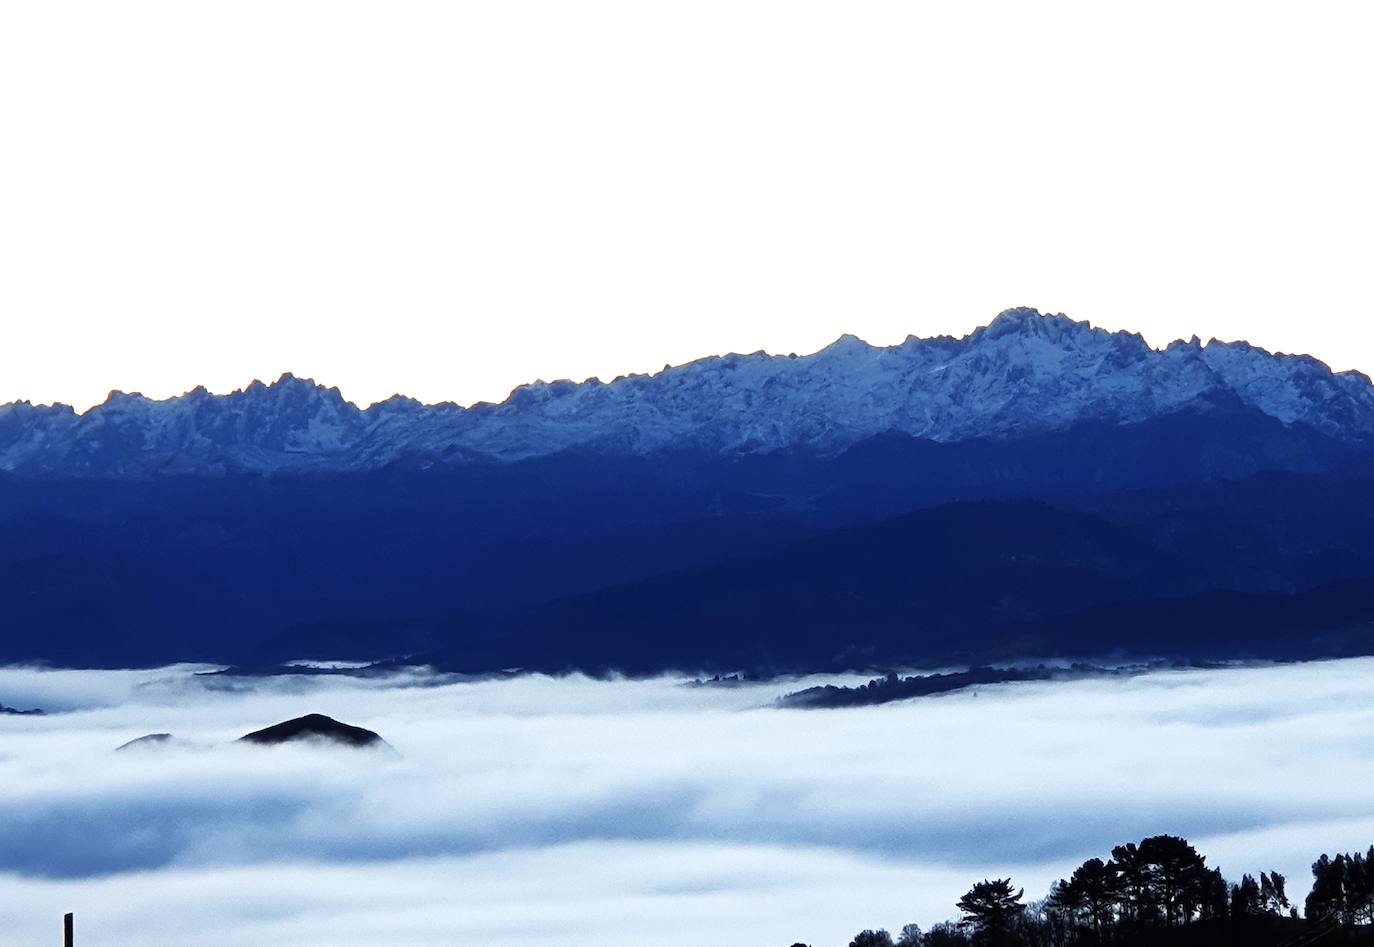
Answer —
(1146, 894)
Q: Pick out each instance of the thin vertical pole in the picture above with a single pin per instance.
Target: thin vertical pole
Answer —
(67, 938)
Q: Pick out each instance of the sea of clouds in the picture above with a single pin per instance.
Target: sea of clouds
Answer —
(570, 811)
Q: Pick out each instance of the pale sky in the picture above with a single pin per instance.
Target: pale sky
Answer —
(450, 199)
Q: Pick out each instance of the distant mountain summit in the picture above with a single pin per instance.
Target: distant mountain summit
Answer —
(1024, 374)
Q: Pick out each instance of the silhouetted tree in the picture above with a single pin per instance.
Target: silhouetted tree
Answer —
(1327, 896)
(1273, 896)
(990, 909)
(1333, 889)
(1036, 926)
(1216, 896)
(1245, 897)
(879, 938)
(1343, 887)
(1089, 895)
(945, 934)
(1134, 895)
(1360, 887)
(1175, 874)
(1066, 903)
(1145, 889)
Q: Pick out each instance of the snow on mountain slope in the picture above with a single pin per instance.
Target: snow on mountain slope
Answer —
(1023, 374)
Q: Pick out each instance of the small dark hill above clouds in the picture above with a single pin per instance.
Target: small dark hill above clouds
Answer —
(148, 741)
(315, 728)
(312, 728)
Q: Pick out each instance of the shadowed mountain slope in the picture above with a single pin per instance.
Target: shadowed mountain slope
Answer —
(767, 510)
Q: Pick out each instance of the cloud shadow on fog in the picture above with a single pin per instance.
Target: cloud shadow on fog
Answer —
(77, 838)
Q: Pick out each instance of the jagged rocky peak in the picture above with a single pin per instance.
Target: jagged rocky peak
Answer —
(1024, 322)
(1026, 319)
(1024, 373)
(396, 404)
(289, 387)
(846, 343)
(119, 399)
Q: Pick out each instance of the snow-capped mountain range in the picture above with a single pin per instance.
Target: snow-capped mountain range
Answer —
(1023, 374)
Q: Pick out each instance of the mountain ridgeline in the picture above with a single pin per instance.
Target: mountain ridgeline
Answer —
(1023, 375)
(1039, 488)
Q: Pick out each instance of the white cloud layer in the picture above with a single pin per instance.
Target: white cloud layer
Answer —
(573, 811)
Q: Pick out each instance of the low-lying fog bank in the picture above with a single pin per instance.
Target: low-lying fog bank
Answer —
(573, 811)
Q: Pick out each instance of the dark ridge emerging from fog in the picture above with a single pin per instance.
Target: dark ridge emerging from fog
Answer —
(891, 687)
(314, 727)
